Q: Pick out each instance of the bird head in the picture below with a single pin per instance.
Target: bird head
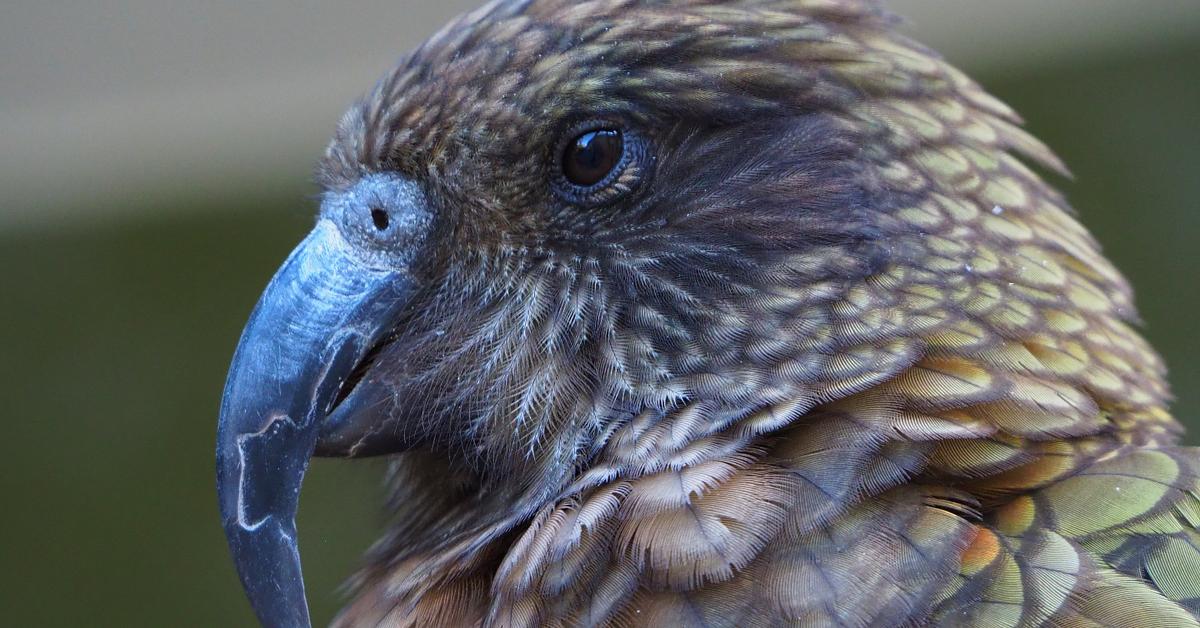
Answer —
(554, 218)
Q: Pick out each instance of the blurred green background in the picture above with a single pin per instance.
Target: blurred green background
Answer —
(131, 259)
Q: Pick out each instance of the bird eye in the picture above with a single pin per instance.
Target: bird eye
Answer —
(597, 162)
(592, 156)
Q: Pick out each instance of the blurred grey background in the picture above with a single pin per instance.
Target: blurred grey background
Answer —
(155, 160)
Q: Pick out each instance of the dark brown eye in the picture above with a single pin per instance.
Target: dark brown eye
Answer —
(589, 158)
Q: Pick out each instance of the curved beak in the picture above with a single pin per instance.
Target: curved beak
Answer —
(318, 319)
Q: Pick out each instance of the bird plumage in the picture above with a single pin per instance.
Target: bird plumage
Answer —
(837, 355)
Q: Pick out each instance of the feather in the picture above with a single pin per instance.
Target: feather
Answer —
(828, 351)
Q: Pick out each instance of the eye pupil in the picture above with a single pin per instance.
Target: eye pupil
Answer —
(592, 156)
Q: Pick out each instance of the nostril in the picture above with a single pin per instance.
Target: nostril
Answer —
(380, 218)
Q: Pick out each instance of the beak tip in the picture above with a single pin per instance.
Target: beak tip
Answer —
(258, 482)
(269, 568)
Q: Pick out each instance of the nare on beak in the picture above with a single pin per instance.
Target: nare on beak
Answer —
(336, 297)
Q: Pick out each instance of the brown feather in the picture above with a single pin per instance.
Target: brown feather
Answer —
(839, 356)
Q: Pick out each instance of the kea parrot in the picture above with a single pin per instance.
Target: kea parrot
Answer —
(707, 313)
